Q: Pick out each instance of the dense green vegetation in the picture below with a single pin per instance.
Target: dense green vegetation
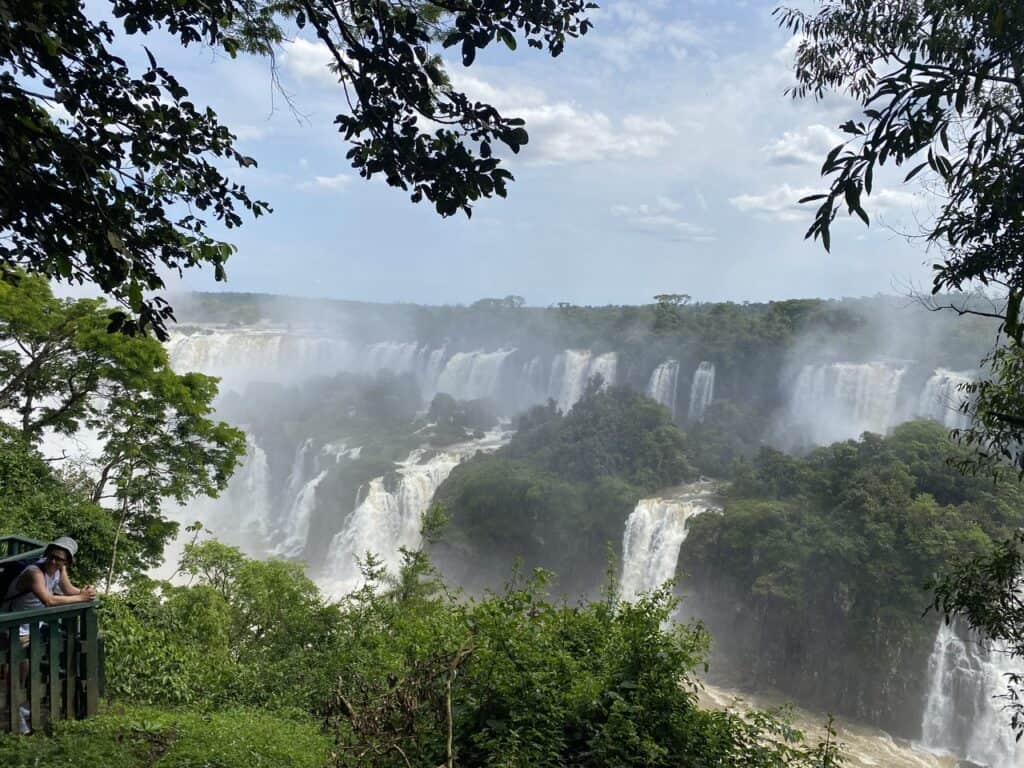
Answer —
(248, 663)
(155, 437)
(941, 91)
(813, 578)
(40, 504)
(560, 492)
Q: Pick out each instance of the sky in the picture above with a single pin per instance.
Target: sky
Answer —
(664, 157)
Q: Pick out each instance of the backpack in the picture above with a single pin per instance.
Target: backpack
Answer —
(9, 573)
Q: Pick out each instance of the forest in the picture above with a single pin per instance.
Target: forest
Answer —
(419, 528)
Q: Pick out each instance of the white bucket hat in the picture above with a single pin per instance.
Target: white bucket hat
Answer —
(66, 543)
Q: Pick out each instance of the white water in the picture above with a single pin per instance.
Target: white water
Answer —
(259, 355)
(654, 533)
(388, 520)
(839, 401)
(664, 384)
(572, 370)
(296, 524)
(942, 397)
(472, 375)
(241, 356)
(962, 715)
(702, 391)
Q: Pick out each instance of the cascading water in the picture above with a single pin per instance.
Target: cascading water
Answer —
(702, 391)
(573, 369)
(296, 524)
(839, 401)
(293, 529)
(389, 518)
(240, 515)
(942, 397)
(241, 356)
(664, 384)
(962, 714)
(472, 375)
(654, 533)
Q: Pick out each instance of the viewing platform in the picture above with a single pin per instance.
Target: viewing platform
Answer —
(62, 664)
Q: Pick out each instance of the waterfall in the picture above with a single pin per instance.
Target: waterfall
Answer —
(472, 375)
(654, 533)
(394, 356)
(240, 515)
(942, 397)
(534, 388)
(663, 384)
(257, 355)
(962, 715)
(432, 370)
(839, 401)
(292, 529)
(296, 524)
(572, 370)
(390, 514)
(702, 390)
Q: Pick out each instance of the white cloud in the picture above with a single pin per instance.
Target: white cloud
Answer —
(248, 132)
(562, 132)
(309, 60)
(329, 183)
(887, 201)
(807, 146)
(781, 203)
(660, 218)
(629, 32)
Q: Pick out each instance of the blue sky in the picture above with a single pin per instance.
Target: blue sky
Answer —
(664, 157)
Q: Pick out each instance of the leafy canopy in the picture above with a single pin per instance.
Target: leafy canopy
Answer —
(941, 83)
(112, 177)
(62, 371)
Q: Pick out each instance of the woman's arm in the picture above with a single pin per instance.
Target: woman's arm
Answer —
(37, 585)
(65, 583)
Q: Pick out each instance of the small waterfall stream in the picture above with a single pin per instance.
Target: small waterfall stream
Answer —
(664, 385)
(702, 391)
(654, 533)
(962, 714)
(942, 397)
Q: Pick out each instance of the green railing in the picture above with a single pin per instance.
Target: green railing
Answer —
(56, 673)
(17, 547)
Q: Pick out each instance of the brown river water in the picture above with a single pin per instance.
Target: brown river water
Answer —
(864, 746)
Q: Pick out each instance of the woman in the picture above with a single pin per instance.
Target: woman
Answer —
(44, 584)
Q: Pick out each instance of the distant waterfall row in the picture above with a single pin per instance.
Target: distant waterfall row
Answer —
(508, 375)
(830, 402)
(654, 533)
(962, 714)
(664, 387)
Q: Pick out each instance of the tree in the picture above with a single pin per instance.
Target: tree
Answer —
(61, 370)
(109, 176)
(941, 83)
(38, 503)
(667, 317)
